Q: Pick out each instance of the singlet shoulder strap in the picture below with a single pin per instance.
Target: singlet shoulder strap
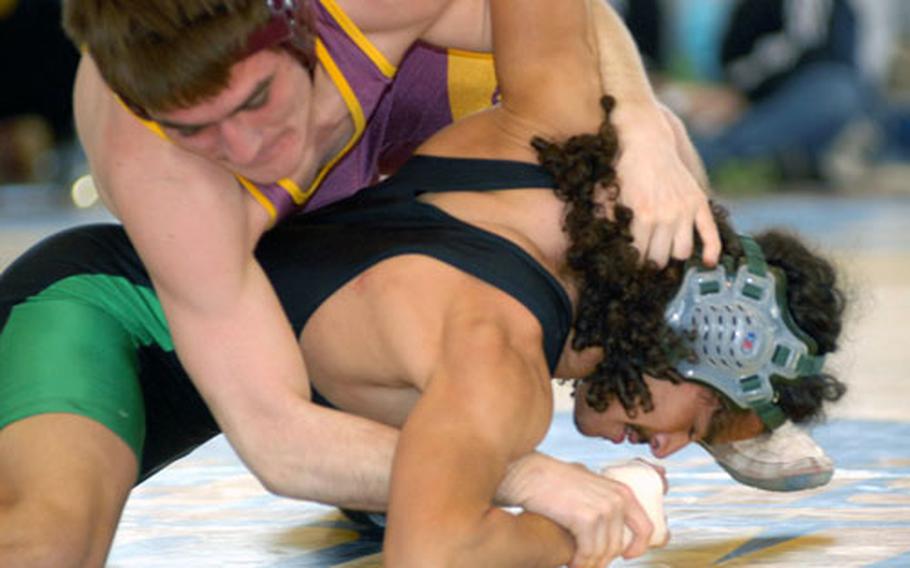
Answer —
(422, 174)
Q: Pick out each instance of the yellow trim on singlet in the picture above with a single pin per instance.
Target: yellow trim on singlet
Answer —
(471, 81)
(258, 196)
(299, 196)
(350, 100)
(251, 188)
(358, 38)
(293, 190)
(150, 124)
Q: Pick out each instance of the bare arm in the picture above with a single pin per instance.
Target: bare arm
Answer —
(667, 200)
(195, 231)
(549, 87)
(393, 25)
(487, 402)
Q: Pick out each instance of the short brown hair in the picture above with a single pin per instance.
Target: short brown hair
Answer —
(164, 54)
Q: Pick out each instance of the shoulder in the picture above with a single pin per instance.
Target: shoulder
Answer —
(381, 16)
(392, 26)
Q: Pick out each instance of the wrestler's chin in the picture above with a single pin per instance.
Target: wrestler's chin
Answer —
(279, 160)
(582, 427)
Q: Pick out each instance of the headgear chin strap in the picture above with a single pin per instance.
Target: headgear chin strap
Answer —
(292, 25)
(740, 332)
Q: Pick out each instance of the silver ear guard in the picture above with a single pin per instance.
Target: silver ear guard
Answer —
(741, 334)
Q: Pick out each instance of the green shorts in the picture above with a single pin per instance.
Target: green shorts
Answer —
(73, 348)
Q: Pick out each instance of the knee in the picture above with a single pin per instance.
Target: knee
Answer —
(37, 533)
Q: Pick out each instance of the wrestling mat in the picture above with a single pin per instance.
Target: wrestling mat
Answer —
(206, 511)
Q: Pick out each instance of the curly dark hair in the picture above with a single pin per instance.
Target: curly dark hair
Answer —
(622, 300)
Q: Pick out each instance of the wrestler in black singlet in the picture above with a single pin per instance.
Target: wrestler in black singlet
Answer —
(307, 259)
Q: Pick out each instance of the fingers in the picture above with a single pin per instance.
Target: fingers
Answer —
(642, 528)
(641, 236)
(682, 241)
(665, 241)
(710, 237)
(666, 539)
(591, 547)
(601, 538)
(660, 240)
(660, 245)
(617, 538)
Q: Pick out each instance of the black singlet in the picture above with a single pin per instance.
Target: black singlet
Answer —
(307, 258)
(310, 257)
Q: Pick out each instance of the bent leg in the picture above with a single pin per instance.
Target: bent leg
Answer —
(72, 423)
(64, 480)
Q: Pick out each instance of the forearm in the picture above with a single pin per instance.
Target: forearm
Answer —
(245, 360)
(523, 540)
(622, 71)
(487, 401)
(521, 476)
(296, 448)
(465, 529)
(637, 114)
(324, 455)
(299, 449)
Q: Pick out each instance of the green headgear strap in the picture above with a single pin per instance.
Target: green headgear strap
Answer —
(744, 338)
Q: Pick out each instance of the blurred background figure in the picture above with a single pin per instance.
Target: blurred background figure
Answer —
(37, 138)
(783, 90)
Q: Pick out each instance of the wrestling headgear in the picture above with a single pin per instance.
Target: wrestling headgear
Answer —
(292, 25)
(741, 335)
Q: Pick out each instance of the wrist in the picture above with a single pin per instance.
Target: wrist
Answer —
(516, 487)
(555, 545)
(639, 116)
(642, 123)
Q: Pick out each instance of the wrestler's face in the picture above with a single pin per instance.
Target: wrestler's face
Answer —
(683, 413)
(257, 126)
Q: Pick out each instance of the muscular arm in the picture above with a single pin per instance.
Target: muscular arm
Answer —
(488, 401)
(195, 231)
(456, 443)
(668, 201)
(656, 184)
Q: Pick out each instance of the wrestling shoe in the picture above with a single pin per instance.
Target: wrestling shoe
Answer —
(787, 459)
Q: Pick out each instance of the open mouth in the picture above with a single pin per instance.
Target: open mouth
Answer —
(635, 436)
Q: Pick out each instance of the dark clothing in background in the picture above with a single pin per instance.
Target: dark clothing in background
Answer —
(38, 65)
(766, 42)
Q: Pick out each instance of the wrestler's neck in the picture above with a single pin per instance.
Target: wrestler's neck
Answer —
(330, 126)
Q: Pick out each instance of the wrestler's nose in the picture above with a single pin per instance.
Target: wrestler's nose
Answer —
(666, 444)
(239, 142)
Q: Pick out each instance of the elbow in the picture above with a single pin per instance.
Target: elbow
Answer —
(451, 552)
(269, 472)
(452, 542)
(273, 481)
(268, 461)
